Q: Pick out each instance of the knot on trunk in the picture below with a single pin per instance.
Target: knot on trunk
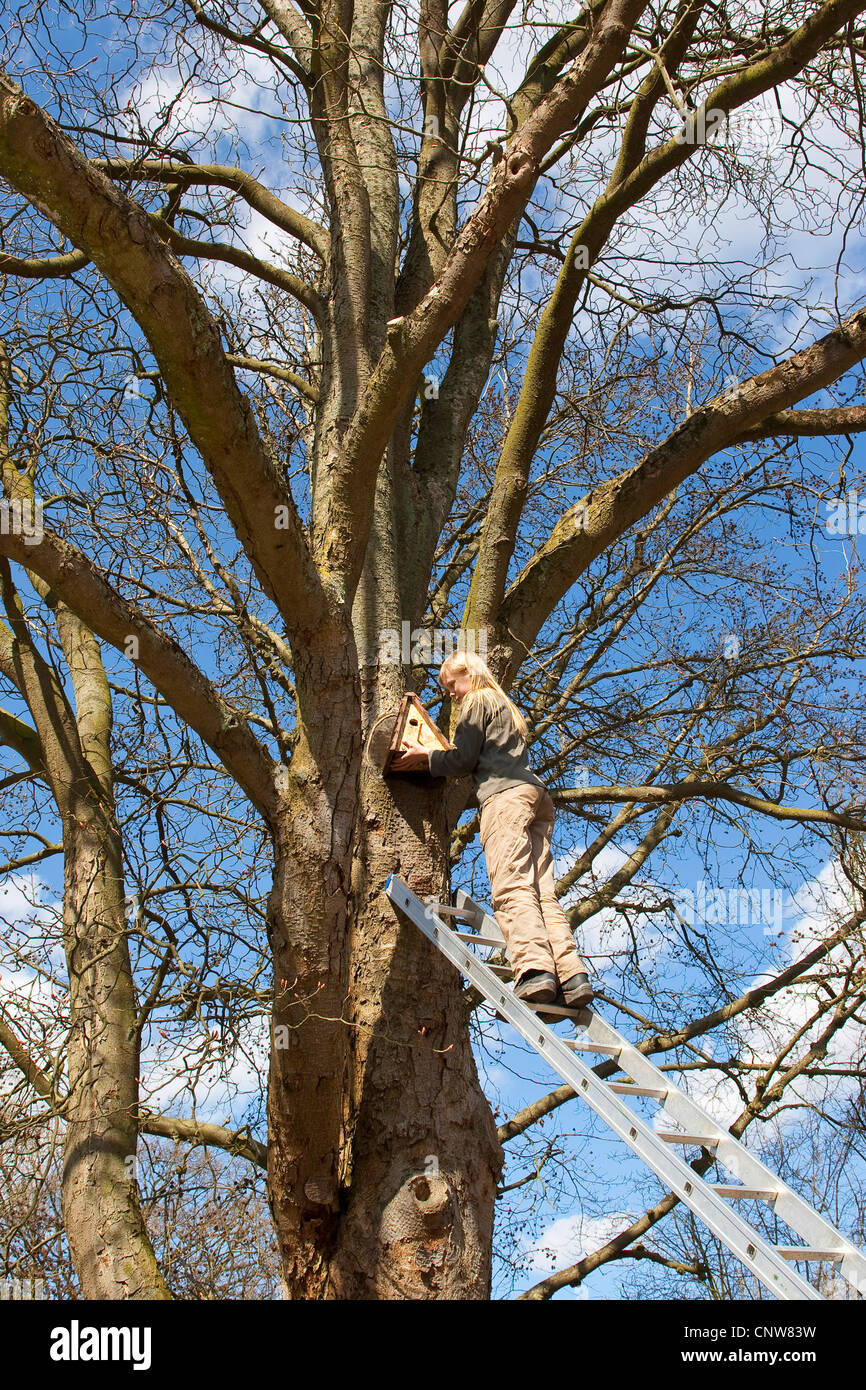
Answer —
(432, 1200)
(320, 1193)
(423, 1207)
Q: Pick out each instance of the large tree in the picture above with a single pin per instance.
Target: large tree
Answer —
(326, 412)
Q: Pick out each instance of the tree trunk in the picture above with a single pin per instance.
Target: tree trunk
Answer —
(424, 1156)
(110, 1247)
(383, 1154)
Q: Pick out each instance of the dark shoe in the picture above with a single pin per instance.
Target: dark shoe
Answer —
(577, 992)
(560, 1002)
(536, 987)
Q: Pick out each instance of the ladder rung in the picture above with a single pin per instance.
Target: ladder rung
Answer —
(707, 1141)
(808, 1252)
(447, 910)
(551, 1009)
(628, 1088)
(606, 1049)
(768, 1194)
(476, 940)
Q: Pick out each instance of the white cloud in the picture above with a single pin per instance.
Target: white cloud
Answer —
(195, 1069)
(572, 1237)
(30, 915)
(161, 99)
(607, 935)
(23, 900)
(814, 913)
(222, 1088)
(31, 937)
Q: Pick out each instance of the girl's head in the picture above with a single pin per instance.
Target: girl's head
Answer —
(465, 675)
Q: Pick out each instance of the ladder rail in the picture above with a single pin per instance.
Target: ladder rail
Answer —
(751, 1249)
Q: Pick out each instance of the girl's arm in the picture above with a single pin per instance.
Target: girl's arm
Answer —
(463, 757)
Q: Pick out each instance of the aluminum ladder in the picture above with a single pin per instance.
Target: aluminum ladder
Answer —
(711, 1202)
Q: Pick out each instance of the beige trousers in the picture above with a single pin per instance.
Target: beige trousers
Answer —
(516, 829)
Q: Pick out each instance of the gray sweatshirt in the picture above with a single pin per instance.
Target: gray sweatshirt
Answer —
(486, 744)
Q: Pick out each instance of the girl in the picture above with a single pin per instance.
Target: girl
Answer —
(516, 828)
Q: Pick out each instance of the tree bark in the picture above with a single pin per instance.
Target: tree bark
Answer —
(424, 1155)
(110, 1246)
(383, 1155)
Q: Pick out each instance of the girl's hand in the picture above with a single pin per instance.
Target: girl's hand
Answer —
(410, 762)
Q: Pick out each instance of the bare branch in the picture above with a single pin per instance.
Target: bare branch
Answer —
(47, 168)
(237, 1142)
(77, 580)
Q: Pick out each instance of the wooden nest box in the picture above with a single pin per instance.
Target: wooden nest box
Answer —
(410, 730)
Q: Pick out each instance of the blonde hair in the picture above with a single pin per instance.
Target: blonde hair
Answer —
(482, 680)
